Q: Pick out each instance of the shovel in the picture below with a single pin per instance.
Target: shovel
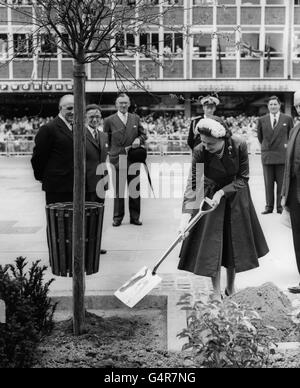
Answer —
(146, 279)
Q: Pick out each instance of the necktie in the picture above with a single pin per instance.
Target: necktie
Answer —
(124, 119)
(274, 122)
(95, 135)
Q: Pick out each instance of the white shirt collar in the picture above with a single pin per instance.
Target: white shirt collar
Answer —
(122, 116)
(276, 115)
(91, 130)
(65, 121)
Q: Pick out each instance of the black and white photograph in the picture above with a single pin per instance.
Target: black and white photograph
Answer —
(149, 187)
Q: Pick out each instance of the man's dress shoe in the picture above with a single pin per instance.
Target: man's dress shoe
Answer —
(279, 211)
(136, 222)
(294, 290)
(117, 223)
(103, 251)
(267, 211)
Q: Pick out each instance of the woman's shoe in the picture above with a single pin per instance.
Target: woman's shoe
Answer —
(227, 293)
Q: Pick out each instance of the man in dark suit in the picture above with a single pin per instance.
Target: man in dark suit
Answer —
(53, 160)
(209, 105)
(291, 186)
(273, 132)
(53, 155)
(124, 131)
(96, 154)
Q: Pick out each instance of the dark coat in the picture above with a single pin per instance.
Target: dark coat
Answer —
(289, 165)
(274, 141)
(53, 158)
(234, 219)
(96, 154)
(121, 136)
(193, 140)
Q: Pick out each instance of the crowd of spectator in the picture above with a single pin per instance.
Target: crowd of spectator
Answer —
(165, 131)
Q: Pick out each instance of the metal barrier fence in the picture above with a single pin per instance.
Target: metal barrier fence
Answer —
(23, 145)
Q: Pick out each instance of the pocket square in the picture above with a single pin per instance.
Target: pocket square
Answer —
(284, 124)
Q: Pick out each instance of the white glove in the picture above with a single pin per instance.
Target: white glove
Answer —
(136, 143)
(217, 197)
(185, 219)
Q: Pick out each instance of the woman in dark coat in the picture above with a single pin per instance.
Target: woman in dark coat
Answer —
(231, 235)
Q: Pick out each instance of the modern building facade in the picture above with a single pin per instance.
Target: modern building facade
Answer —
(242, 50)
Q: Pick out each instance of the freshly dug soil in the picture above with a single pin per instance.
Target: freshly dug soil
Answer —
(274, 308)
(138, 338)
(133, 340)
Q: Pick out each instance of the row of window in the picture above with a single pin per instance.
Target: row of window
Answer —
(248, 45)
(175, 2)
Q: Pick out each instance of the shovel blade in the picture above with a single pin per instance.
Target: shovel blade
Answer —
(137, 287)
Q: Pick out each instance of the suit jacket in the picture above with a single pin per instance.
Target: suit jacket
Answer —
(193, 140)
(288, 165)
(274, 141)
(96, 154)
(121, 136)
(53, 158)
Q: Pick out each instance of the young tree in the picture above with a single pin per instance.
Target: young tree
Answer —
(88, 31)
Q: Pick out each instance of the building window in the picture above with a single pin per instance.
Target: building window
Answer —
(202, 46)
(226, 45)
(172, 2)
(22, 45)
(296, 46)
(48, 47)
(249, 45)
(203, 2)
(275, 2)
(3, 46)
(173, 44)
(64, 46)
(149, 45)
(250, 2)
(125, 45)
(274, 45)
(297, 2)
(21, 2)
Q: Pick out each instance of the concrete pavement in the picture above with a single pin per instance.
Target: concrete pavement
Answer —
(22, 231)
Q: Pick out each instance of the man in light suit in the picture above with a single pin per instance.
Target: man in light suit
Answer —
(124, 130)
(291, 186)
(209, 104)
(273, 132)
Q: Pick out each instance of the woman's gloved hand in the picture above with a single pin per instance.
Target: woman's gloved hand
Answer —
(217, 197)
(185, 219)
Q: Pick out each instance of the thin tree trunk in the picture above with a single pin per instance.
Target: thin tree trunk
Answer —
(79, 200)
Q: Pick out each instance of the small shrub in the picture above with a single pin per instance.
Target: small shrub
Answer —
(225, 335)
(29, 313)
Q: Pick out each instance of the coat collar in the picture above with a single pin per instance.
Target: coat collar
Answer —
(292, 140)
(62, 126)
(91, 138)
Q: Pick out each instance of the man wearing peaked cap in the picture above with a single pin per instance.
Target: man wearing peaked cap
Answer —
(209, 104)
(291, 186)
